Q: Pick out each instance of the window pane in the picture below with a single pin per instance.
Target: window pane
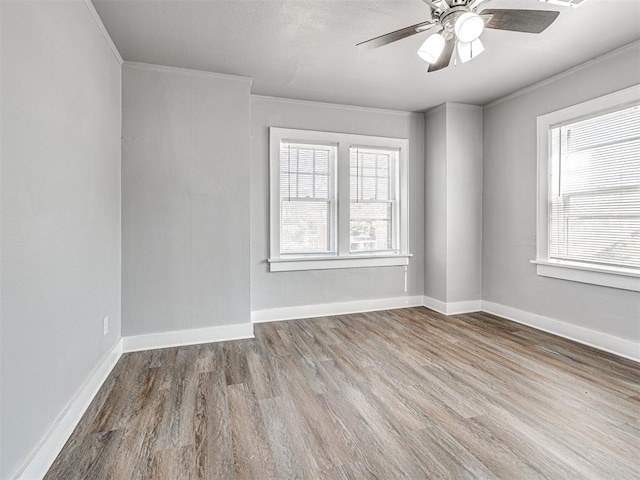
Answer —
(373, 174)
(354, 185)
(321, 186)
(383, 163)
(322, 161)
(368, 188)
(305, 186)
(284, 186)
(306, 171)
(305, 227)
(371, 226)
(594, 207)
(288, 170)
(305, 160)
(382, 192)
(368, 160)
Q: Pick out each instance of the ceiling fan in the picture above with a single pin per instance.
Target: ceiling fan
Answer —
(457, 26)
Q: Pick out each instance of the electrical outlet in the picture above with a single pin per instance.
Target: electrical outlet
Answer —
(105, 325)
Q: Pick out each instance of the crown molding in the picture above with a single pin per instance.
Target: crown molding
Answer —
(464, 106)
(436, 109)
(459, 106)
(340, 106)
(103, 30)
(149, 67)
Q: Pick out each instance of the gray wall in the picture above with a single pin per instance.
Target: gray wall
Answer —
(509, 204)
(453, 203)
(435, 206)
(60, 207)
(464, 202)
(185, 200)
(286, 289)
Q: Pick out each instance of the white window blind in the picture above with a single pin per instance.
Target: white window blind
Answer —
(374, 200)
(307, 199)
(594, 204)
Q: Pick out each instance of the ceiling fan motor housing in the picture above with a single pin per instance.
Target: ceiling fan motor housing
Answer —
(448, 19)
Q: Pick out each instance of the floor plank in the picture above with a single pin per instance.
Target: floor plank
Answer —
(406, 393)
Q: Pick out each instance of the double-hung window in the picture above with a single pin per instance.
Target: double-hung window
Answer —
(337, 200)
(307, 199)
(589, 192)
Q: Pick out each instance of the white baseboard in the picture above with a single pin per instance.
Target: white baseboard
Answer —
(338, 308)
(451, 308)
(433, 304)
(49, 447)
(193, 336)
(593, 338)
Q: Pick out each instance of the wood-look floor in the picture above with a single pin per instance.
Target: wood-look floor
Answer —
(395, 394)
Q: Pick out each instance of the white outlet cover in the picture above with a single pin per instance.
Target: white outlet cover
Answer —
(105, 324)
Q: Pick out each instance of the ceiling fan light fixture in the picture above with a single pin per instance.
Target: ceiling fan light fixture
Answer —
(469, 50)
(432, 48)
(468, 27)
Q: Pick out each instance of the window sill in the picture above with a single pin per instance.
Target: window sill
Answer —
(607, 277)
(326, 263)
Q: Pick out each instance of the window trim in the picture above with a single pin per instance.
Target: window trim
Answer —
(344, 258)
(575, 271)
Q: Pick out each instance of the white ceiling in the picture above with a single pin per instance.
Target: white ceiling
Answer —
(305, 49)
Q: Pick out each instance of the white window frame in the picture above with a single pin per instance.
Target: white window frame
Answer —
(626, 279)
(344, 258)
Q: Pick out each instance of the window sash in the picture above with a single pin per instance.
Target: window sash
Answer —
(331, 227)
(594, 194)
(381, 166)
(292, 170)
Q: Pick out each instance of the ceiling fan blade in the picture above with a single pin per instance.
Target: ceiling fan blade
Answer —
(528, 21)
(431, 4)
(395, 36)
(445, 56)
(475, 4)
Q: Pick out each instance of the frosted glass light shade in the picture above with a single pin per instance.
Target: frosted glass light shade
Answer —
(469, 50)
(432, 48)
(468, 27)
